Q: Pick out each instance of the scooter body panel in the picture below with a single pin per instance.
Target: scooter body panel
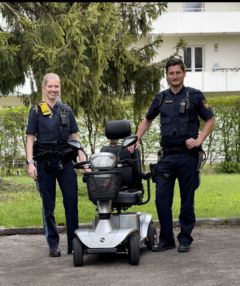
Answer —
(145, 220)
(109, 233)
(92, 239)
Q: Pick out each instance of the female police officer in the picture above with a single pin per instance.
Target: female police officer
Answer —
(180, 108)
(50, 124)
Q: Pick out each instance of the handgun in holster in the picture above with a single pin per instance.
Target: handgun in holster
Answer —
(153, 171)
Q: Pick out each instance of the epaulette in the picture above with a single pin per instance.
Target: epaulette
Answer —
(161, 98)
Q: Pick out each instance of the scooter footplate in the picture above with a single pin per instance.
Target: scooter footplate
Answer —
(101, 250)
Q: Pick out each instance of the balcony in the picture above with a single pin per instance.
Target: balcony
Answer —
(190, 23)
(222, 80)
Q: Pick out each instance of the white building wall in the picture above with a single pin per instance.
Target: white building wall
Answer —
(227, 56)
(217, 25)
(208, 6)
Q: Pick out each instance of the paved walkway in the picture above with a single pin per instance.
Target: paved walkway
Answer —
(214, 260)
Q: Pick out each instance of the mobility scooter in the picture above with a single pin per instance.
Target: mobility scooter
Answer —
(114, 185)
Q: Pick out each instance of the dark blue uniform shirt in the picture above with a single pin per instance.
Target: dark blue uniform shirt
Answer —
(50, 129)
(179, 115)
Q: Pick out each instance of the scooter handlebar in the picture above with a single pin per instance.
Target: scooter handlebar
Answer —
(81, 165)
(125, 162)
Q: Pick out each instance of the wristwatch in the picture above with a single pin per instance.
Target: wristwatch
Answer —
(29, 162)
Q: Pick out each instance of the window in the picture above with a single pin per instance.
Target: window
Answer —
(193, 6)
(193, 58)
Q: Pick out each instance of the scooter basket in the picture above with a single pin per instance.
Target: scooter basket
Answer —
(103, 186)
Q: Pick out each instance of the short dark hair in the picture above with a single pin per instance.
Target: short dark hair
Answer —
(172, 61)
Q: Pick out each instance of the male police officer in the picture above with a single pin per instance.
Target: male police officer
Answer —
(179, 108)
(50, 124)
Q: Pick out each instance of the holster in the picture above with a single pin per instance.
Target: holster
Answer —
(153, 171)
(69, 154)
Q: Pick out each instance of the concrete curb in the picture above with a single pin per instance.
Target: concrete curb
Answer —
(202, 222)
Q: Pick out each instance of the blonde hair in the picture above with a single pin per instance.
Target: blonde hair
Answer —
(45, 80)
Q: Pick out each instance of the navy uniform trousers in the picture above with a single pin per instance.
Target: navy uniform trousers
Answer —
(183, 167)
(48, 173)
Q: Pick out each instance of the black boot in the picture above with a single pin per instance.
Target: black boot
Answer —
(54, 251)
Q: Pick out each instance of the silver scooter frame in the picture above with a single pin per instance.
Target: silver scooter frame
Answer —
(115, 232)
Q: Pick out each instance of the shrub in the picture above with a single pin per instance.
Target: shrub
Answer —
(229, 167)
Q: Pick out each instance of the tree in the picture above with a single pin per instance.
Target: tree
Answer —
(91, 45)
(11, 68)
(226, 133)
(12, 135)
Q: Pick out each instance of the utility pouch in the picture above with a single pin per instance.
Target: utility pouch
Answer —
(160, 155)
(45, 109)
(64, 119)
(182, 107)
(153, 171)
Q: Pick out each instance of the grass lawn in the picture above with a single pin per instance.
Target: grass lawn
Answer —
(20, 204)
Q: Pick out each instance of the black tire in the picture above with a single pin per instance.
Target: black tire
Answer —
(151, 236)
(77, 252)
(133, 249)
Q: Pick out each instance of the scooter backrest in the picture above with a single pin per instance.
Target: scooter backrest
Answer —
(117, 129)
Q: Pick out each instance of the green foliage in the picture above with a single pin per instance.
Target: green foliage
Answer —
(11, 68)
(12, 135)
(136, 17)
(229, 167)
(221, 101)
(226, 134)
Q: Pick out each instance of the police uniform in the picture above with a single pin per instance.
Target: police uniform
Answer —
(179, 121)
(52, 132)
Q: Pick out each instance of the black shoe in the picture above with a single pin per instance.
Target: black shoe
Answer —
(54, 252)
(163, 246)
(70, 250)
(183, 247)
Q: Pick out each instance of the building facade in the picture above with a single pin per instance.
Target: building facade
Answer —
(211, 31)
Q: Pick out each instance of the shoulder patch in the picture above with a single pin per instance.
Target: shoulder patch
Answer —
(161, 97)
(205, 104)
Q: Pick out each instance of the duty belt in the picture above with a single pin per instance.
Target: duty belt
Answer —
(65, 155)
(178, 150)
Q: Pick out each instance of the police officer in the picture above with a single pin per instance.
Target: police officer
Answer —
(50, 124)
(180, 108)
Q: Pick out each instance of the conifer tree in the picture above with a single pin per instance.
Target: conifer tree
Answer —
(92, 46)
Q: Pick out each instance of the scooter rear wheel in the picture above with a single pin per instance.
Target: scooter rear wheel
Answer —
(77, 252)
(133, 249)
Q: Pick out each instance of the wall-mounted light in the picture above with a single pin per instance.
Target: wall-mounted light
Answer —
(216, 47)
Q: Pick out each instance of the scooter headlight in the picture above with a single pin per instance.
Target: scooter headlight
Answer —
(103, 160)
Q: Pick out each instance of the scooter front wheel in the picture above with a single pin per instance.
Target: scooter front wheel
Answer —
(133, 249)
(77, 252)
